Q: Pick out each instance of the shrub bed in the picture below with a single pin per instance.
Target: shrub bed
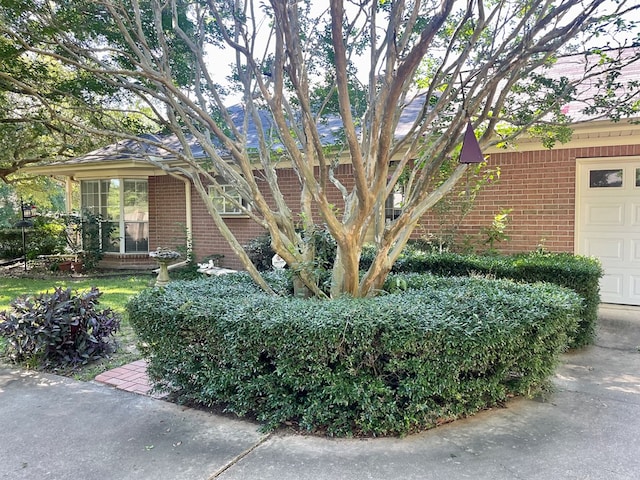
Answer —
(581, 274)
(393, 364)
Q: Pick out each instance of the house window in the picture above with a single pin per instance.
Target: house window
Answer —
(394, 203)
(124, 210)
(637, 177)
(227, 204)
(605, 178)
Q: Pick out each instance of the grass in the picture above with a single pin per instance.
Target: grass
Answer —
(116, 291)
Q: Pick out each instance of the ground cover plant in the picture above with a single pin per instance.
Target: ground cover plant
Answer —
(116, 291)
(392, 364)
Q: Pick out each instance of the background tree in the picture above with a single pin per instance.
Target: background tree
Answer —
(45, 109)
(424, 65)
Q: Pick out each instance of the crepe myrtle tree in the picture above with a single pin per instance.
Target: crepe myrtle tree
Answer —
(402, 77)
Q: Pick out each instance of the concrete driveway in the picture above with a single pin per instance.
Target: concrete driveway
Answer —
(589, 428)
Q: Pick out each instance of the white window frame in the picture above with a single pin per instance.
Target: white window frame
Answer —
(395, 203)
(121, 222)
(229, 209)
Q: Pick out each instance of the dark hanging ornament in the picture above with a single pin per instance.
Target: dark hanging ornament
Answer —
(471, 152)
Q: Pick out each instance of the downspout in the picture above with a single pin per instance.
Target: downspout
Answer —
(188, 212)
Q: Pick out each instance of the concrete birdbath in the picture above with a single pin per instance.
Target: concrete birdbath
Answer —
(164, 257)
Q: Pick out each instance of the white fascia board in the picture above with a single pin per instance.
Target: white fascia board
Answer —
(95, 170)
(600, 133)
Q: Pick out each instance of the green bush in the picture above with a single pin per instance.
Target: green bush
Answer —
(10, 243)
(387, 365)
(95, 233)
(44, 237)
(47, 237)
(260, 252)
(581, 274)
(58, 329)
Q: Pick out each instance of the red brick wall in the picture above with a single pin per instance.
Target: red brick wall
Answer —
(538, 186)
(208, 240)
(167, 212)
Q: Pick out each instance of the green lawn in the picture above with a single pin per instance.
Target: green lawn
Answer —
(116, 291)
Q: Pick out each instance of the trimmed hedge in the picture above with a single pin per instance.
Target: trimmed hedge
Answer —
(388, 365)
(579, 273)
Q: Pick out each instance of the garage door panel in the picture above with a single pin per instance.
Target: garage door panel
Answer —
(634, 288)
(604, 215)
(635, 250)
(635, 217)
(608, 223)
(611, 249)
(612, 287)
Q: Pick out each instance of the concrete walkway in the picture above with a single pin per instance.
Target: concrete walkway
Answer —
(57, 428)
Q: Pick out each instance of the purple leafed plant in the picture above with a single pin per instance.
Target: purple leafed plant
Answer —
(59, 329)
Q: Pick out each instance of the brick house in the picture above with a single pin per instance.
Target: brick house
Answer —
(149, 208)
(581, 197)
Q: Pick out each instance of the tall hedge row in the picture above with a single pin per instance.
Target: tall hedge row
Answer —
(380, 366)
(579, 273)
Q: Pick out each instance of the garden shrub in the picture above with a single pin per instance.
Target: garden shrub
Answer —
(260, 252)
(95, 233)
(44, 237)
(392, 364)
(58, 329)
(579, 273)
(10, 243)
(47, 237)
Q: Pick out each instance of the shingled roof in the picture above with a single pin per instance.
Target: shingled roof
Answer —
(589, 71)
(572, 67)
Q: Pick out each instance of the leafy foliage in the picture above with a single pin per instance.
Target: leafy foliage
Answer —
(260, 252)
(581, 274)
(10, 243)
(52, 235)
(317, 239)
(387, 365)
(59, 329)
(321, 89)
(95, 234)
(44, 237)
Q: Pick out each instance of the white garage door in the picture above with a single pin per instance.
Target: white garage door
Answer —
(608, 224)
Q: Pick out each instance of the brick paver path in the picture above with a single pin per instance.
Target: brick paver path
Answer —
(131, 378)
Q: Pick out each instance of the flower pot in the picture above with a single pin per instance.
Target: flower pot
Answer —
(64, 266)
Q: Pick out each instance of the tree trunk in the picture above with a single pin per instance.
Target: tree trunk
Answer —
(345, 275)
(373, 280)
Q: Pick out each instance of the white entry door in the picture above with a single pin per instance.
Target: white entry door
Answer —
(608, 224)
